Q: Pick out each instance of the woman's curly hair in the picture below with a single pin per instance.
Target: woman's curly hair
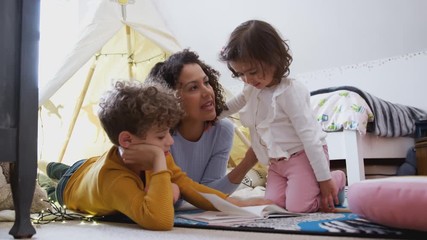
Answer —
(168, 73)
(137, 107)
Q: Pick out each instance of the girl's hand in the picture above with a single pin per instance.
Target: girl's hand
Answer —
(329, 196)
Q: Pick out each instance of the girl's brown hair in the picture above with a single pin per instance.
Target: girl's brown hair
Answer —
(258, 41)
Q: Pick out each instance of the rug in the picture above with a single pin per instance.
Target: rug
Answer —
(329, 224)
(326, 224)
(342, 223)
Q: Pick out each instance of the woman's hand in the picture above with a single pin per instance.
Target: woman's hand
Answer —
(250, 157)
(239, 172)
(329, 196)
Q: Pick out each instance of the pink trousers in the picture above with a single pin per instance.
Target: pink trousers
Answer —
(292, 184)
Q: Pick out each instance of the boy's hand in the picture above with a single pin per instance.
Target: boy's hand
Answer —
(175, 192)
(329, 196)
(144, 157)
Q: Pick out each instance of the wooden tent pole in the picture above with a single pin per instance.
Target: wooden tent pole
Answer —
(129, 49)
(77, 109)
(242, 136)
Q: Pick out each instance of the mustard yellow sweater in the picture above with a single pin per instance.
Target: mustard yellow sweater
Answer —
(104, 186)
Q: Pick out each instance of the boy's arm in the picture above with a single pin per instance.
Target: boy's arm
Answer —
(152, 209)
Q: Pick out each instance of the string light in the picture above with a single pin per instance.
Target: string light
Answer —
(59, 213)
(162, 56)
(368, 66)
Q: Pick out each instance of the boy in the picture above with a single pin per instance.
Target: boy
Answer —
(132, 113)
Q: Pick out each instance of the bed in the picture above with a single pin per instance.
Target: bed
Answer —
(361, 126)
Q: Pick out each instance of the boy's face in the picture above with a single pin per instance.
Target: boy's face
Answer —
(160, 137)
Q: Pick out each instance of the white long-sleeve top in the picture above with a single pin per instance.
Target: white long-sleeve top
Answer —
(281, 122)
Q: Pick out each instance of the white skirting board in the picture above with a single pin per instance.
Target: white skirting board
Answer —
(354, 148)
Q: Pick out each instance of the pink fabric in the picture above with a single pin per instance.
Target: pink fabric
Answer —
(292, 184)
(396, 201)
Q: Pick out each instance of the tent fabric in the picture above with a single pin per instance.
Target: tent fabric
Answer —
(117, 42)
(106, 20)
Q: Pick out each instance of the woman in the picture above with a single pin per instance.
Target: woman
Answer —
(202, 143)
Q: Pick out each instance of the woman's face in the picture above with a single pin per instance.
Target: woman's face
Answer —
(256, 74)
(197, 95)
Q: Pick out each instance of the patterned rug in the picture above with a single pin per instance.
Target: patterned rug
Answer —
(327, 224)
(343, 223)
(332, 224)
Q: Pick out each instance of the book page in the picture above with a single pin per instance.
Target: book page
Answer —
(213, 217)
(263, 211)
(229, 213)
(227, 207)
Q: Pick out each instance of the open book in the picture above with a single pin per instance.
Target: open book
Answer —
(230, 213)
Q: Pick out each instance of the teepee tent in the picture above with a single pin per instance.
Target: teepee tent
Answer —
(122, 39)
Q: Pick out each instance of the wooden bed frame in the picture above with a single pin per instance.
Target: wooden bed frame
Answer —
(354, 148)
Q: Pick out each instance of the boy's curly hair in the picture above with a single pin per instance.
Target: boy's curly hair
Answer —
(136, 107)
(168, 73)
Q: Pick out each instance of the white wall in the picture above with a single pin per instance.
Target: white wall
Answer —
(59, 24)
(334, 42)
(322, 35)
(400, 79)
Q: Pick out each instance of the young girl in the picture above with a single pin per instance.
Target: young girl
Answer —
(284, 132)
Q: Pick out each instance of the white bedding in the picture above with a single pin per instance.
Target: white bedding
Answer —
(345, 116)
(341, 110)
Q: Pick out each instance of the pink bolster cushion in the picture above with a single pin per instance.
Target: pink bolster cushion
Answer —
(399, 202)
